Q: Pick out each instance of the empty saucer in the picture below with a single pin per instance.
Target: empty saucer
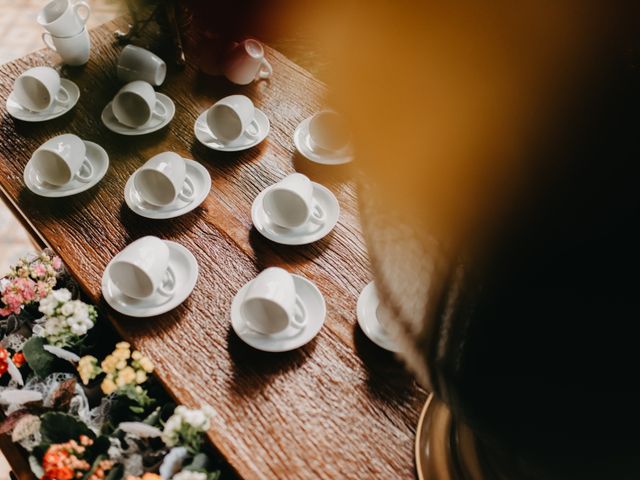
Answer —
(316, 154)
(291, 338)
(185, 268)
(201, 180)
(309, 233)
(96, 155)
(111, 122)
(206, 137)
(56, 110)
(368, 303)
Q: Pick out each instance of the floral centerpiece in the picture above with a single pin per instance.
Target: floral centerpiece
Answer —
(78, 413)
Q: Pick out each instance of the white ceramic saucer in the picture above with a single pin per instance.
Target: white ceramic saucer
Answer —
(368, 302)
(305, 234)
(55, 111)
(96, 155)
(155, 124)
(184, 266)
(291, 338)
(206, 137)
(201, 182)
(319, 155)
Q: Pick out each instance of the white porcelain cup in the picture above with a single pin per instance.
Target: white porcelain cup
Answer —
(163, 178)
(246, 63)
(62, 159)
(137, 63)
(233, 116)
(328, 131)
(38, 88)
(74, 50)
(136, 104)
(142, 269)
(271, 304)
(64, 18)
(290, 203)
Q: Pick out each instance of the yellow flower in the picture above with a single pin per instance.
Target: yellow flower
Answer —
(136, 355)
(108, 386)
(121, 364)
(88, 368)
(126, 376)
(121, 353)
(122, 345)
(146, 364)
(109, 364)
(141, 376)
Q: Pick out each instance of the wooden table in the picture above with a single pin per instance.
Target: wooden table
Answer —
(338, 407)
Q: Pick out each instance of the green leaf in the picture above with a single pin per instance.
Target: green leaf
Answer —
(58, 427)
(199, 463)
(39, 360)
(115, 473)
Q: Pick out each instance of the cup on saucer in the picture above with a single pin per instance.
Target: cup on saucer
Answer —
(374, 319)
(290, 203)
(163, 179)
(74, 50)
(38, 88)
(142, 269)
(271, 304)
(136, 104)
(233, 117)
(62, 159)
(137, 63)
(246, 63)
(64, 18)
(328, 131)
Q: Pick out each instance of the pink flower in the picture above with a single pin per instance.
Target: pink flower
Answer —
(18, 292)
(57, 263)
(38, 270)
(42, 289)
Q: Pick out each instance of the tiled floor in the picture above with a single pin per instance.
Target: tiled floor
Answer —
(19, 35)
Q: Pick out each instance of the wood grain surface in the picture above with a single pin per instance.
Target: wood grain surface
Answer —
(338, 407)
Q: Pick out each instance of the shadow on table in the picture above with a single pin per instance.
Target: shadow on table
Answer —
(268, 252)
(387, 379)
(253, 369)
(325, 174)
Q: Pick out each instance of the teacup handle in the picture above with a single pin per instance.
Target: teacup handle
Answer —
(48, 41)
(253, 135)
(170, 278)
(299, 318)
(161, 110)
(190, 192)
(76, 10)
(63, 97)
(317, 215)
(266, 70)
(85, 178)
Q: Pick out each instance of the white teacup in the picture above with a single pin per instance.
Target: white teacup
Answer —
(142, 269)
(271, 304)
(38, 88)
(74, 50)
(290, 203)
(64, 18)
(328, 131)
(163, 178)
(62, 159)
(246, 63)
(233, 116)
(136, 104)
(137, 63)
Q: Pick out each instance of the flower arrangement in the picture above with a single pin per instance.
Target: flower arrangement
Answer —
(79, 417)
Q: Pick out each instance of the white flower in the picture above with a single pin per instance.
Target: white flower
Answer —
(187, 475)
(170, 435)
(62, 295)
(67, 309)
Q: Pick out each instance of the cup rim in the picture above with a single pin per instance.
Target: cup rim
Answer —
(40, 18)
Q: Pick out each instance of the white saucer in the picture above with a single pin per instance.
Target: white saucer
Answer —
(201, 182)
(184, 266)
(305, 234)
(155, 124)
(209, 140)
(291, 338)
(368, 319)
(99, 160)
(319, 155)
(55, 111)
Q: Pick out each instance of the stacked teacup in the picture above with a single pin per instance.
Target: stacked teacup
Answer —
(66, 33)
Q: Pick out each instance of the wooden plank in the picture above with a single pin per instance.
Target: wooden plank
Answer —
(338, 407)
